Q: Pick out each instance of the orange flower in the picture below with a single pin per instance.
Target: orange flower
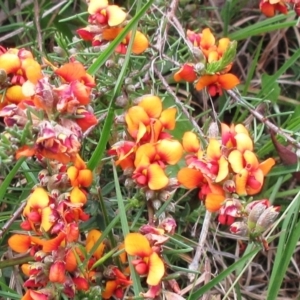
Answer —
(23, 72)
(21, 243)
(92, 238)
(125, 153)
(236, 136)
(149, 263)
(269, 7)
(38, 211)
(166, 151)
(116, 286)
(212, 194)
(212, 163)
(85, 119)
(147, 120)
(78, 174)
(43, 294)
(150, 175)
(250, 173)
(140, 43)
(216, 83)
(186, 73)
(75, 71)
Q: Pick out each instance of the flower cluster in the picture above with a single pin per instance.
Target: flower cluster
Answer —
(52, 116)
(19, 71)
(106, 21)
(149, 148)
(213, 73)
(52, 216)
(228, 166)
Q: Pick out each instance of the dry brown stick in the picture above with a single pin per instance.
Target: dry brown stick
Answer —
(263, 119)
(38, 25)
(14, 216)
(177, 101)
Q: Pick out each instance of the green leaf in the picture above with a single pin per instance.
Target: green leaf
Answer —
(221, 64)
(273, 93)
(287, 243)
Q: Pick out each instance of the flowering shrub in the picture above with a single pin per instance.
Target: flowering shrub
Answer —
(108, 169)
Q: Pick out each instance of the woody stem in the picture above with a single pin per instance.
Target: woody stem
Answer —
(194, 265)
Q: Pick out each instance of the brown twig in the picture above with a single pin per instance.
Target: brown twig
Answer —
(38, 25)
(263, 119)
(14, 216)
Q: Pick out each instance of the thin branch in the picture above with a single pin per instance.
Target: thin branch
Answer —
(14, 216)
(263, 119)
(38, 25)
(194, 265)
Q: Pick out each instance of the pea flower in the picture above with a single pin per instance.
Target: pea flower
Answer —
(148, 262)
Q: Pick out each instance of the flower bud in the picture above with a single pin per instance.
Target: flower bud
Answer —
(149, 194)
(130, 88)
(3, 76)
(109, 63)
(156, 204)
(239, 228)
(266, 219)
(229, 186)
(256, 209)
(121, 101)
(171, 207)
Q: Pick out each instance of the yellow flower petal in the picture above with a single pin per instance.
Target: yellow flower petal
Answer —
(96, 5)
(137, 244)
(241, 182)
(267, 165)
(243, 142)
(190, 142)
(152, 105)
(140, 43)
(223, 169)
(157, 178)
(170, 151)
(92, 238)
(46, 223)
(167, 118)
(156, 269)
(236, 160)
(116, 15)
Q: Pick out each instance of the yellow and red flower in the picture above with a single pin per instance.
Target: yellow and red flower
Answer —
(215, 84)
(104, 14)
(148, 262)
(23, 72)
(146, 121)
(250, 173)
